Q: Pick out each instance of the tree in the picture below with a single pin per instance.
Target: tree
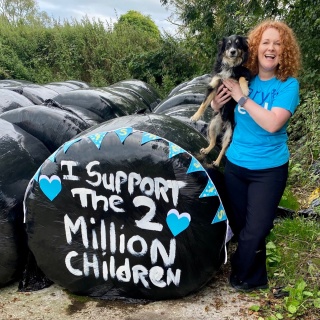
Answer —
(304, 18)
(207, 21)
(27, 11)
(139, 21)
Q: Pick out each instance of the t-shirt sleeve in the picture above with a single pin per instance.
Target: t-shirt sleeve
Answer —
(288, 96)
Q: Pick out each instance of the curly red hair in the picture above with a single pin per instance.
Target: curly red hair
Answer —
(290, 56)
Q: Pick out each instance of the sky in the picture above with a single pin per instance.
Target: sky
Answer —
(107, 10)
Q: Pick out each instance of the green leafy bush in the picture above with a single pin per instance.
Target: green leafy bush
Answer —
(304, 143)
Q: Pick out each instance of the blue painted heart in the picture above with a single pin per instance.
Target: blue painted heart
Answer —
(51, 187)
(177, 222)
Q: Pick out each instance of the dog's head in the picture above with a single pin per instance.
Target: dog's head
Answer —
(234, 50)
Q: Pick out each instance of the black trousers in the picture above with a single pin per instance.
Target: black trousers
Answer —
(254, 196)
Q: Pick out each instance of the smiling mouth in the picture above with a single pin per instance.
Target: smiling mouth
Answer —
(270, 56)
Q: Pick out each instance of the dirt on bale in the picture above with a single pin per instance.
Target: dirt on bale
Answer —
(216, 301)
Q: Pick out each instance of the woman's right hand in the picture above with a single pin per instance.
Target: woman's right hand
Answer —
(221, 98)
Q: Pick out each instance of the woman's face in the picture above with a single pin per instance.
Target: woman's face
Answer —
(269, 51)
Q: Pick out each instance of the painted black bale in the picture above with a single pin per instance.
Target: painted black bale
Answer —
(126, 211)
(21, 155)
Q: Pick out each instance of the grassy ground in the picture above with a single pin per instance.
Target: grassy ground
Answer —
(293, 260)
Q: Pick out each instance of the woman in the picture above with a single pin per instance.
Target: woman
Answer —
(257, 159)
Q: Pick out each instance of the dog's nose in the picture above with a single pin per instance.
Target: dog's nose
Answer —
(233, 52)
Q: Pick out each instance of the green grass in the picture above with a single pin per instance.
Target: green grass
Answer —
(293, 262)
(289, 200)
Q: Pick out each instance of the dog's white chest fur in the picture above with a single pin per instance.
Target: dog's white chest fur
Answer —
(225, 74)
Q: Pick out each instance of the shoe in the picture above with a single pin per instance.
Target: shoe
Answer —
(233, 280)
(246, 287)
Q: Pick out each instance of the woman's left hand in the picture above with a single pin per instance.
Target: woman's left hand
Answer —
(234, 89)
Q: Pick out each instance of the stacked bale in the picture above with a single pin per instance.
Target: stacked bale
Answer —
(21, 154)
(129, 211)
(114, 190)
(184, 100)
(34, 125)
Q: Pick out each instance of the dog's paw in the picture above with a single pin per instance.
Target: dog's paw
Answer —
(245, 91)
(195, 117)
(244, 86)
(216, 163)
(205, 150)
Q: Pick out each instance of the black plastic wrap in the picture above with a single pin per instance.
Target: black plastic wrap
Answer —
(20, 156)
(202, 81)
(179, 99)
(10, 100)
(95, 100)
(125, 210)
(80, 84)
(33, 279)
(137, 87)
(66, 86)
(184, 112)
(131, 98)
(190, 92)
(187, 110)
(35, 93)
(50, 125)
(86, 115)
(60, 88)
(13, 83)
(121, 99)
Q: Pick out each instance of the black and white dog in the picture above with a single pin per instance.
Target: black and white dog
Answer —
(232, 54)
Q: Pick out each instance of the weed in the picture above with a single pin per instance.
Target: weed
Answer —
(293, 263)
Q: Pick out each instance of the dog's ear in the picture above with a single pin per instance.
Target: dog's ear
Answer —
(245, 41)
(245, 45)
(221, 45)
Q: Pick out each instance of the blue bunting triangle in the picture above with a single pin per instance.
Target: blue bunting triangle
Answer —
(68, 144)
(123, 133)
(52, 158)
(146, 137)
(220, 215)
(209, 191)
(174, 150)
(195, 165)
(97, 138)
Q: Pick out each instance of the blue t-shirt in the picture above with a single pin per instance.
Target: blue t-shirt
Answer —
(253, 147)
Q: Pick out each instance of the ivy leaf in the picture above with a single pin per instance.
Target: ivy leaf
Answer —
(254, 308)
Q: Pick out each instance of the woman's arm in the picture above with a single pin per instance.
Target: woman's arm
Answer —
(270, 120)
